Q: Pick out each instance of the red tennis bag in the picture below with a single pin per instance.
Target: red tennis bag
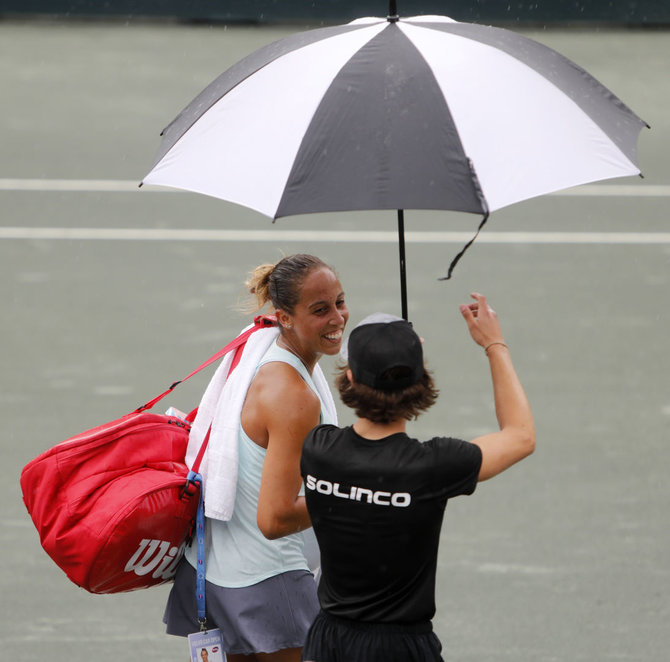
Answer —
(115, 506)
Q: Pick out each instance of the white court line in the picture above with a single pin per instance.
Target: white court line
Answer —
(74, 185)
(78, 185)
(125, 186)
(330, 236)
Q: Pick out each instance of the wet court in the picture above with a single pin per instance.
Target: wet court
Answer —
(109, 294)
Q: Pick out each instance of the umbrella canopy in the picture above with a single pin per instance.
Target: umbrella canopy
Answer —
(388, 113)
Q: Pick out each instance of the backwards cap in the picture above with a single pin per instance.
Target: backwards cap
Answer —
(380, 343)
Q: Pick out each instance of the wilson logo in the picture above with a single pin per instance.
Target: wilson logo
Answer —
(157, 557)
(363, 494)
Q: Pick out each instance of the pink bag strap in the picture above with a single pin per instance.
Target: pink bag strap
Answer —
(260, 322)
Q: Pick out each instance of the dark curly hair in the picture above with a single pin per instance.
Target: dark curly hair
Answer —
(386, 406)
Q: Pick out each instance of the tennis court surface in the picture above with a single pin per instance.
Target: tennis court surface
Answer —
(109, 294)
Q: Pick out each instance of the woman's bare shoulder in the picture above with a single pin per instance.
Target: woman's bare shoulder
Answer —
(278, 399)
(280, 382)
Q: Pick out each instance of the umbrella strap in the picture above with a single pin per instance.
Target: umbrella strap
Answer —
(454, 262)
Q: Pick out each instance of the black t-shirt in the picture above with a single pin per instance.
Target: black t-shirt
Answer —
(377, 509)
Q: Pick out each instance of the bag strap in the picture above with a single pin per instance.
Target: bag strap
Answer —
(260, 322)
(201, 452)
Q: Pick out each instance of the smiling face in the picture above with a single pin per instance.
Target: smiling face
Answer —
(316, 325)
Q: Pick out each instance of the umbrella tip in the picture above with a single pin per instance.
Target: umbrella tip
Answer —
(393, 12)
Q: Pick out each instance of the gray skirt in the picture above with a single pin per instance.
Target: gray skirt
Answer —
(269, 616)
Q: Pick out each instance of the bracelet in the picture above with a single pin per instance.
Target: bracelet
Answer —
(497, 342)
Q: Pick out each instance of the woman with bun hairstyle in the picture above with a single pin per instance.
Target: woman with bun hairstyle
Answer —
(259, 590)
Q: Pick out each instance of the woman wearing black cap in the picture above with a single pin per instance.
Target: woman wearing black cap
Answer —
(376, 497)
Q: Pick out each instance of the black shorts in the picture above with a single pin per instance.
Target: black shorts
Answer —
(332, 639)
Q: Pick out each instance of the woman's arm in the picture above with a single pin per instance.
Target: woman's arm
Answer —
(516, 438)
(289, 409)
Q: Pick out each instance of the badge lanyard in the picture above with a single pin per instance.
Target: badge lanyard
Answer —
(200, 555)
(209, 640)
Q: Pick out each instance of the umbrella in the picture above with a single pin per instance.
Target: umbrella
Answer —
(397, 113)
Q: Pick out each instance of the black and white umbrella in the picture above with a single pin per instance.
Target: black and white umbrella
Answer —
(397, 113)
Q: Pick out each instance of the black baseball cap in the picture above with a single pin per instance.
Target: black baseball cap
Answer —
(380, 343)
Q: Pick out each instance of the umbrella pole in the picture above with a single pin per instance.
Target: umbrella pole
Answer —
(403, 271)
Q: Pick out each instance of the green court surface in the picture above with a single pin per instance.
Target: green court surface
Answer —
(109, 295)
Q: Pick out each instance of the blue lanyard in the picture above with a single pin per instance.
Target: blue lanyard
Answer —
(200, 562)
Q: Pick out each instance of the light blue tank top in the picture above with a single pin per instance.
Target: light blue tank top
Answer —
(237, 553)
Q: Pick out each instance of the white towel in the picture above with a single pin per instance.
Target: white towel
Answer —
(221, 407)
